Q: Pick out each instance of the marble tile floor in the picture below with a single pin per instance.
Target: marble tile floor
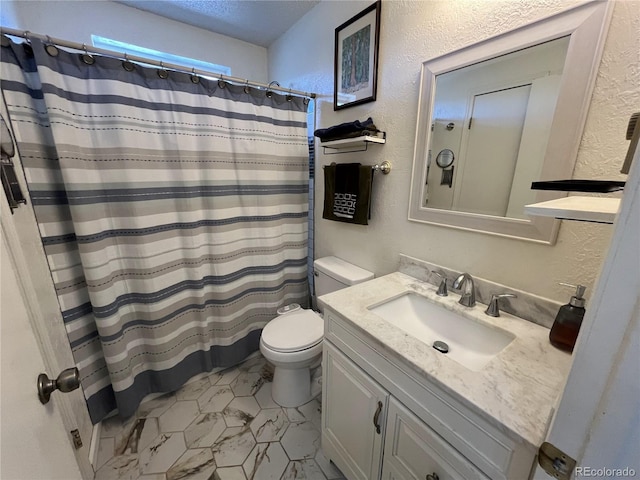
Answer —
(219, 426)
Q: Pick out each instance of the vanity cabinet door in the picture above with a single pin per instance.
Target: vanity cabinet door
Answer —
(354, 409)
(412, 451)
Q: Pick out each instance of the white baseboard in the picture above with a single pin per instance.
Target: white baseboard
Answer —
(94, 446)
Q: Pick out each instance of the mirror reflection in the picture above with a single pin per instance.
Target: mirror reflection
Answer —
(489, 130)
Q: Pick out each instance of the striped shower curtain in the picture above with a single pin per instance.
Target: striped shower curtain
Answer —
(173, 213)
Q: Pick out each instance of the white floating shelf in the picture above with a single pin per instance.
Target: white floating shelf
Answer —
(345, 143)
(588, 209)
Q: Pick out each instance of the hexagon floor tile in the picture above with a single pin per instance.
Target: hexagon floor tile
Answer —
(223, 426)
(241, 411)
(269, 425)
(179, 416)
(233, 447)
(247, 383)
(195, 464)
(307, 469)
(157, 406)
(205, 430)
(162, 453)
(301, 440)
(267, 461)
(215, 399)
(136, 438)
(191, 391)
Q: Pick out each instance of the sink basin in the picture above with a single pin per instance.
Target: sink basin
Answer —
(471, 343)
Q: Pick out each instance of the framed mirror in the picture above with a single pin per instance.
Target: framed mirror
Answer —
(511, 110)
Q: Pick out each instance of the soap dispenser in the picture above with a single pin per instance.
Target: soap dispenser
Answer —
(568, 320)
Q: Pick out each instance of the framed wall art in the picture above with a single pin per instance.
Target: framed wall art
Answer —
(356, 59)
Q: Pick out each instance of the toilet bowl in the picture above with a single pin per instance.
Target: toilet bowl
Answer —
(292, 341)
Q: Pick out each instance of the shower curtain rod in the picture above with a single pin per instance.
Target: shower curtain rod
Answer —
(25, 34)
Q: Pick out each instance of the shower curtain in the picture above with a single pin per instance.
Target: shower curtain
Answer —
(173, 213)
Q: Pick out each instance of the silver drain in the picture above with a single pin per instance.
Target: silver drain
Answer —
(441, 346)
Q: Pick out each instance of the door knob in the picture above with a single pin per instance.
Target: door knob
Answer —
(67, 381)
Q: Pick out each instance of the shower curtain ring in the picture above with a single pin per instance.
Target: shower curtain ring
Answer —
(86, 57)
(127, 65)
(28, 49)
(289, 97)
(269, 93)
(194, 78)
(221, 82)
(162, 73)
(50, 48)
(246, 87)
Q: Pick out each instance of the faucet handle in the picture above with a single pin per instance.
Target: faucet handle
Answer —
(493, 310)
(442, 288)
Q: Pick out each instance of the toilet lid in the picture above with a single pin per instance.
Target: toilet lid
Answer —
(293, 331)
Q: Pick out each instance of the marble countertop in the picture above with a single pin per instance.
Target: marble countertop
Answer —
(516, 391)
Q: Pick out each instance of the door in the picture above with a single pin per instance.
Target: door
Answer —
(353, 417)
(494, 131)
(27, 288)
(34, 441)
(597, 421)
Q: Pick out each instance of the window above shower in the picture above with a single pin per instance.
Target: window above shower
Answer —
(117, 46)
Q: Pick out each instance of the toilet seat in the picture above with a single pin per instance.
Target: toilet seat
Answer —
(293, 332)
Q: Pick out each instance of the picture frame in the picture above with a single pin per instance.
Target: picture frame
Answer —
(355, 68)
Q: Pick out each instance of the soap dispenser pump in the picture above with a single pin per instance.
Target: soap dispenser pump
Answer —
(568, 320)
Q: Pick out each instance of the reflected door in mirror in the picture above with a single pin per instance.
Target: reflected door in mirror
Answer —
(501, 111)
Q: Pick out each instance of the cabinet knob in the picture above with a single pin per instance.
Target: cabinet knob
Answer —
(433, 476)
(376, 417)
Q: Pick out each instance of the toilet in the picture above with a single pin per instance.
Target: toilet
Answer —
(292, 341)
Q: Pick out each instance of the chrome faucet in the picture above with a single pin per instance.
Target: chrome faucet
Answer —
(493, 309)
(468, 297)
(442, 288)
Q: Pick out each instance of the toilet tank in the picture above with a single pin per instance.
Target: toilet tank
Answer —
(333, 273)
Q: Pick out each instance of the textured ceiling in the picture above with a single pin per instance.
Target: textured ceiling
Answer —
(255, 21)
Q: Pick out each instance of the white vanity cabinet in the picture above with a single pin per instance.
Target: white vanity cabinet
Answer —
(353, 412)
(424, 433)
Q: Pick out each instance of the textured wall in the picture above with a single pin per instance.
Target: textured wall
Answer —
(414, 31)
(78, 20)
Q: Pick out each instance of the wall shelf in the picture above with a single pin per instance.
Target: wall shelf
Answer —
(355, 144)
(586, 209)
